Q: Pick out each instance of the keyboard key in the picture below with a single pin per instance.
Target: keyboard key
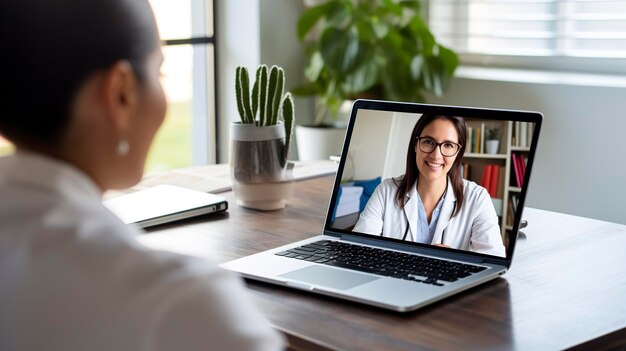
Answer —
(300, 252)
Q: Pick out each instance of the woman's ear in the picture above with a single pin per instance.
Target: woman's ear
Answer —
(120, 93)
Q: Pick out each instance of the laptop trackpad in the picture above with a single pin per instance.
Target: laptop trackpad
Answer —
(329, 277)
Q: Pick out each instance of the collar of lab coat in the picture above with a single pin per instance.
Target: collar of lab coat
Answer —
(49, 175)
(410, 211)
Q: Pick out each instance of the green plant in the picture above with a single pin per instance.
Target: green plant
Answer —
(378, 49)
(268, 100)
(493, 133)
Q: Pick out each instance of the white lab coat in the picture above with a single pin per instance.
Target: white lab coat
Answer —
(73, 276)
(474, 228)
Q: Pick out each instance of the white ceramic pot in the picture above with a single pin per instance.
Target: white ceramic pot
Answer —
(492, 146)
(319, 143)
(262, 178)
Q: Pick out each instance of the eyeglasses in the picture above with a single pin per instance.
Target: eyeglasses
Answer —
(447, 148)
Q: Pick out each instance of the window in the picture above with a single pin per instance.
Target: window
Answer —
(553, 34)
(5, 146)
(187, 136)
(188, 133)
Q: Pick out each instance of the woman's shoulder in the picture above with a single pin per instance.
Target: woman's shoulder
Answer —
(471, 189)
(392, 183)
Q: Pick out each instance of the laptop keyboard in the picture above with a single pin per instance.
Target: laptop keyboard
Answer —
(388, 263)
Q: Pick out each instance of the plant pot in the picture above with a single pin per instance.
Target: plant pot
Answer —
(492, 146)
(319, 142)
(262, 179)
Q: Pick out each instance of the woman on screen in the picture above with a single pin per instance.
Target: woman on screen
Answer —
(431, 203)
(81, 101)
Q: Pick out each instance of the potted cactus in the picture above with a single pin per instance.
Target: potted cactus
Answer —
(262, 176)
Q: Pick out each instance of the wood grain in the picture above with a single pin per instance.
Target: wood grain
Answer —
(567, 285)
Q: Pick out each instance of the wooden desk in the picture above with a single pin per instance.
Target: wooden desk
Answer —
(567, 285)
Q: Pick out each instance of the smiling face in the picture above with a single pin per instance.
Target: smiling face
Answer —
(434, 167)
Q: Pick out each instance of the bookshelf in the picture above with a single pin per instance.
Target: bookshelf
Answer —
(513, 146)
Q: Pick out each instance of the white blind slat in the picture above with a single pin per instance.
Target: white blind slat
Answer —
(575, 28)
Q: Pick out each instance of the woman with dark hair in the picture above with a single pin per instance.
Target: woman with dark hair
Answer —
(431, 203)
(81, 100)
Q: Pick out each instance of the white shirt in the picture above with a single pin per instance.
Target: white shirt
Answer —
(73, 276)
(474, 228)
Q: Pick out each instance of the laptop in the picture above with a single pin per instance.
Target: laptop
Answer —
(164, 204)
(366, 252)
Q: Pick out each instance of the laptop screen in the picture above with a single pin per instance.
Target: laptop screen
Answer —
(450, 177)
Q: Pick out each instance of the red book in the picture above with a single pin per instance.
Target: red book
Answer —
(486, 181)
(516, 169)
(522, 169)
(493, 186)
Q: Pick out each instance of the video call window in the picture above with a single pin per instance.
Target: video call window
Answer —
(494, 154)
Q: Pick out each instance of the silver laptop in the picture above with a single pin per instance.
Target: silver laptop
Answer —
(381, 251)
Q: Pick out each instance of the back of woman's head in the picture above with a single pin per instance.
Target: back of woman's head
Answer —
(51, 47)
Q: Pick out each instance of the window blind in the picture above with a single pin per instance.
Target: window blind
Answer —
(570, 28)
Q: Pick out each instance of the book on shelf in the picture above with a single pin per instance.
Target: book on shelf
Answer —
(515, 159)
(473, 142)
(512, 208)
(491, 179)
(477, 144)
(476, 139)
(500, 191)
(465, 170)
(485, 181)
(493, 186)
(514, 202)
(522, 168)
(481, 148)
(523, 134)
(531, 130)
(497, 205)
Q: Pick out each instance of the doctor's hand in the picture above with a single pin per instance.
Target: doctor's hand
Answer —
(442, 245)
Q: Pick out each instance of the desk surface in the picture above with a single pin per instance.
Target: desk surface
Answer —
(566, 287)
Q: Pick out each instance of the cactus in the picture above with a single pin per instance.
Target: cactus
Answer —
(287, 112)
(255, 93)
(242, 93)
(268, 98)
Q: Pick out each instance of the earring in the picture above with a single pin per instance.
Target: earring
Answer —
(123, 148)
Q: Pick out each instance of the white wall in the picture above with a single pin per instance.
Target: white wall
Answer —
(251, 32)
(238, 44)
(368, 147)
(379, 144)
(580, 165)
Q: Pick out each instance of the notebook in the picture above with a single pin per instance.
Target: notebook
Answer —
(163, 204)
(389, 252)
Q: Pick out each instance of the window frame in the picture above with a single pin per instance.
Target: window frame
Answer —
(204, 123)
